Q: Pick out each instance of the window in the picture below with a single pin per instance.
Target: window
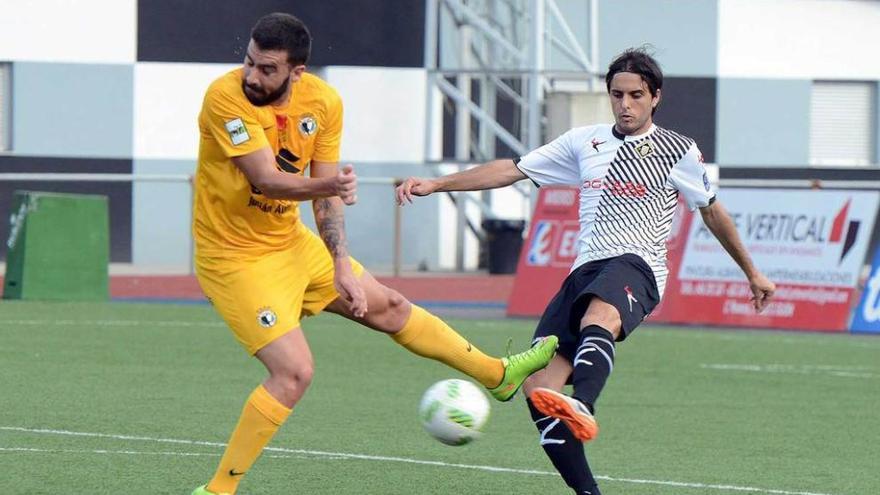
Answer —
(5, 106)
(843, 124)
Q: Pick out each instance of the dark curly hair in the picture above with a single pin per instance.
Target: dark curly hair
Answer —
(279, 31)
(638, 61)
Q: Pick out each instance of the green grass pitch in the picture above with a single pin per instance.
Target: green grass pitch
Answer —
(138, 399)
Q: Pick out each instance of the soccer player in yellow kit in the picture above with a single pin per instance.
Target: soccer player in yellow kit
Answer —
(260, 127)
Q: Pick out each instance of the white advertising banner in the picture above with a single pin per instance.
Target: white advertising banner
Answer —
(811, 243)
(795, 237)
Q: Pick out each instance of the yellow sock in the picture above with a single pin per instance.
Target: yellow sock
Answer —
(260, 419)
(428, 336)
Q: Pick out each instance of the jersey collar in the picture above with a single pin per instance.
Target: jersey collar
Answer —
(636, 137)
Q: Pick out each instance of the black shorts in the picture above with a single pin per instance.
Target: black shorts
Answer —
(626, 282)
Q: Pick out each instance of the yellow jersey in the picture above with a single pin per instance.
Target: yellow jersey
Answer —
(232, 218)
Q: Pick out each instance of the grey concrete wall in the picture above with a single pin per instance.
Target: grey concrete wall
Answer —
(682, 32)
(763, 122)
(72, 110)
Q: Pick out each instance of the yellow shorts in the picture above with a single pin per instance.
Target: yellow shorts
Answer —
(264, 297)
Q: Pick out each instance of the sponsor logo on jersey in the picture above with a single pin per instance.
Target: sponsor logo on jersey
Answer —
(618, 188)
(285, 160)
(237, 131)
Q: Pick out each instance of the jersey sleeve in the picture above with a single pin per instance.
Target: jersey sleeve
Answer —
(330, 133)
(555, 163)
(690, 179)
(232, 124)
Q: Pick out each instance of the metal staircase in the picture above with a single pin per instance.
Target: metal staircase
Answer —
(490, 65)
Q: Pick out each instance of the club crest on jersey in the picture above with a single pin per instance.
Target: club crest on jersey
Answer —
(266, 317)
(645, 149)
(307, 125)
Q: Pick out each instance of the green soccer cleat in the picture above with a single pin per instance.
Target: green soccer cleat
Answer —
(204, 491)
(520, 366)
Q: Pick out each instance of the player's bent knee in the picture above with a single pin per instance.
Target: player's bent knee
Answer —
(396, 312)
(396, 301)
(304, 376)
(296, 377)
(604, 315)
(289, 384)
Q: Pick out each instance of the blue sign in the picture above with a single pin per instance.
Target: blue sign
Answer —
(539, 250)
(867, 316)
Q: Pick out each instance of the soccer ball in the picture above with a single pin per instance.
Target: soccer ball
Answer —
(454, 411)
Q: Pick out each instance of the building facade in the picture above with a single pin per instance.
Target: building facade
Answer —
(114, 86)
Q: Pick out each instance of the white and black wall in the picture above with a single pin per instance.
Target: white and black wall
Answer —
(116, 86)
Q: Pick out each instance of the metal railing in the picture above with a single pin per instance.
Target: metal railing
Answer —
(866, 185)
(187, 179)
(397, 257)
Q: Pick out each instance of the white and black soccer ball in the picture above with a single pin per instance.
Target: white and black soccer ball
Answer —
(454, 411)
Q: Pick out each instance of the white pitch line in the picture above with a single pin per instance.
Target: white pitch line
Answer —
(138, 452)
(343, 455)
(105, 451)
(113, 323)
(776, 336)
(838, 371)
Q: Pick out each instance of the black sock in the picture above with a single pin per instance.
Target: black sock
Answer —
(593, 363)
(566, 452)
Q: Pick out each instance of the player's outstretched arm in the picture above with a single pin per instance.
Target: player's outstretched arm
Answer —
(718, 221)
(260, 170)
(330, 219)
(497, 173)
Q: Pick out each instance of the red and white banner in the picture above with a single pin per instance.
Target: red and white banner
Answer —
(548, 252)
(812, 244)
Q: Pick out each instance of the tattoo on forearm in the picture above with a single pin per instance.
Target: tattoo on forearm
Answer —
(331, 226)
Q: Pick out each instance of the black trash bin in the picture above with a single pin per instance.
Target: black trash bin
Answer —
(503, 242)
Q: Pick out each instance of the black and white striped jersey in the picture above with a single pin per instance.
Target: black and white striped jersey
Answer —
(629, 186)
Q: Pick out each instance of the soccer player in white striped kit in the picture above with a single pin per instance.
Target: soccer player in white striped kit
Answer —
(630, 176)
